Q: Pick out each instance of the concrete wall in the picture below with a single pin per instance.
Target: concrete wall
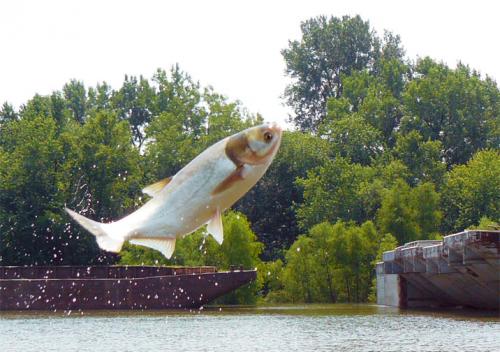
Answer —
(462, 270)
(388, 287)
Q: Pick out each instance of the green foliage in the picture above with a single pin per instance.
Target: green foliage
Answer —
(410, 214)
(486, 223)
(7, 113)
(454, 107)
(353, 138)
(376, 96)
(330, 47)
(75, 96)
(30, 161)
(270, 275)
(298, 279)
(332, 263)
(103, 165)
(331, 192)
(423, 159)
(426, 207)
(471, 191)
(135, 102)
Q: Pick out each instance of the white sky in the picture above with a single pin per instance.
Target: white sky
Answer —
(232, 45)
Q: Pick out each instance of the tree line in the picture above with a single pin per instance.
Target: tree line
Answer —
(385, 150)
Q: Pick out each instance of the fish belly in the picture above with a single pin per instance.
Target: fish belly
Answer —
(189, 202)
(186, 207)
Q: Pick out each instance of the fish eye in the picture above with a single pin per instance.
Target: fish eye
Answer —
(268, 136)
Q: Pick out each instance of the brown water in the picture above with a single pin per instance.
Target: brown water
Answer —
(278, 328)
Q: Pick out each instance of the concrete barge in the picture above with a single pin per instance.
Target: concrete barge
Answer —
(115, 287)
(461, 270)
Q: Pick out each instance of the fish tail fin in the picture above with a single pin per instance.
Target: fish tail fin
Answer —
(102, 232)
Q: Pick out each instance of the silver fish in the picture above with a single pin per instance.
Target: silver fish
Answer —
(197, 195)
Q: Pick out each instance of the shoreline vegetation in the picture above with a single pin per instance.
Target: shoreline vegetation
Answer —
(386, 149)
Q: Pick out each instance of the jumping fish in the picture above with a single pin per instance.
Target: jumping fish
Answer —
(197, 195)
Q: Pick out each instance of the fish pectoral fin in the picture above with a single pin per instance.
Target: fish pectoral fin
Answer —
(237, 175)
(155, 188)
(164, 245)
(214, 227)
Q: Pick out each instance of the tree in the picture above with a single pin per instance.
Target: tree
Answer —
(37, 106)
(297, 276)
(325, 246)
(75, 95)
(352, 138)
(333, 262)
(471, 192)
(135, 102)
(180, 95)
(382, 110)
(7, 113)
(376, 95)
(331, 193)
(30, 162)
(395, 215)
(329, 48)
(171, 147)
(387, 243)
(410, 214)
(423, 159)
(427, 214)
(271, 276)
(99, 98)
(390, 66)
(455, 107)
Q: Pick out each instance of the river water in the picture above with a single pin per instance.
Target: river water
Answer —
(281, 328)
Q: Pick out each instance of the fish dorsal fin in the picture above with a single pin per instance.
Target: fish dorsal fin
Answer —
(214, 227)
(155, 188)
(164, 245)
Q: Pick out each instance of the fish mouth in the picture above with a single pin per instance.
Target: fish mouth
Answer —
(275, 127)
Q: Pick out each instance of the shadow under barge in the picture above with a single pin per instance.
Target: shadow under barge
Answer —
(115, 287)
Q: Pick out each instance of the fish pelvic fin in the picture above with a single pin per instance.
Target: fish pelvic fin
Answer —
(164, 245)
(102, 232)
(214, 227)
